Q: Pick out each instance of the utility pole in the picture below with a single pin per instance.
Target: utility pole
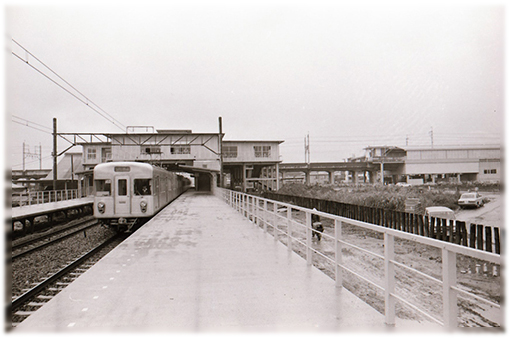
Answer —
(220, 141)
(431, 137)
(28, 153)
(54, 154)
(72, 167)
(307, 149)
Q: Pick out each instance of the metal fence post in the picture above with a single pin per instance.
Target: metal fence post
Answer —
(266, 216)
(389, 270)
(256, 210)
(252, 208)
(338, 253)
(245, 205)
(248, 207)
(275, 220)
(449, 294)
(289, 228)
(308, 238)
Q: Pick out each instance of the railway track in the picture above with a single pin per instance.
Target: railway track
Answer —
(28, 240)
(27, 303)
(22, 248)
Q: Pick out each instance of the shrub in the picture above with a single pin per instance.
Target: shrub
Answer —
(376, 196)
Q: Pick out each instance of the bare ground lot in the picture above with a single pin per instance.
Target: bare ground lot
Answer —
(475, 276)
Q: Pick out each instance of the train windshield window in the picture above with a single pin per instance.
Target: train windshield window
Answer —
(122, 187)
(142, 186)
(103, 187)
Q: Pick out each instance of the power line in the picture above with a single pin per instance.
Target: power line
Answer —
(44, 158)
(27, 121)
(110, 118)
(24, 124)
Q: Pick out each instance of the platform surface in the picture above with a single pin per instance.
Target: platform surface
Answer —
(199, 266)
(44, 208)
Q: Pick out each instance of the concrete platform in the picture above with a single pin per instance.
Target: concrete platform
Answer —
(44, 208)
(199, 266)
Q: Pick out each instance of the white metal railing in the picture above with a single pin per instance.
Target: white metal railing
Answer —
(279, 216)
(40, 197)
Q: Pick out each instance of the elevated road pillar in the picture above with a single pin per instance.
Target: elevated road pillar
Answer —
(331, 176)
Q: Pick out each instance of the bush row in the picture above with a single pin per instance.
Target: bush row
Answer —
(387, 197)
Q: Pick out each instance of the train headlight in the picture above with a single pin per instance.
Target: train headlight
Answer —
(143, 206)
(101, 207)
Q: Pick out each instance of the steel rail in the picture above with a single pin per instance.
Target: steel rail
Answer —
(24, 242)
(18, 302)
(53, 241)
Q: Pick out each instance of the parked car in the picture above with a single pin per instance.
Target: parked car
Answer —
(440, 212)
(470, 199)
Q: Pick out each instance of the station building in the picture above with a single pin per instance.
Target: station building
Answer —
(251, 165)
(206, 157)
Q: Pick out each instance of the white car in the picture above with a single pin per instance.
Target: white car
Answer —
(440, 212)
(470, 199)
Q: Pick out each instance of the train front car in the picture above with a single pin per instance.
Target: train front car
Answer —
(124, 193)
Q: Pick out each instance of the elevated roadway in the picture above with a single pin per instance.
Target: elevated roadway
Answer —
(330, 168)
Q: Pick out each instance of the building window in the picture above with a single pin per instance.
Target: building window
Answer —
(262, 151)
(106, 154)
(490, 171)
(180, 150)
(150, 150)
(91, 153)
(230, 151)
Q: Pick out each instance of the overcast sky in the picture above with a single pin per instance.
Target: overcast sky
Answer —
(350, 76)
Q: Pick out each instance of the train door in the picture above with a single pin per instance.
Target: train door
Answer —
(157, 197)
(122, 195)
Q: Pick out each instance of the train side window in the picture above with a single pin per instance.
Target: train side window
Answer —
(142, 186)
(103, 187)
(122, 187)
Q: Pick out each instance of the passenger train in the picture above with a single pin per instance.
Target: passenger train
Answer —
(129, 192)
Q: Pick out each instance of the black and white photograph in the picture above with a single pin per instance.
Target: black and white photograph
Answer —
(254, 167)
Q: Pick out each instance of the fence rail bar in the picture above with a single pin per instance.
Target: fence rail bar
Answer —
(418, 272)
(414, 307)
(476, 297)
(361, 277)
(364, 250)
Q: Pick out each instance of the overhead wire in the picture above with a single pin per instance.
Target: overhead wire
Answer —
(27, 121)
(26, 125)
(106, 116)
(70, 85)
(34, 161)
